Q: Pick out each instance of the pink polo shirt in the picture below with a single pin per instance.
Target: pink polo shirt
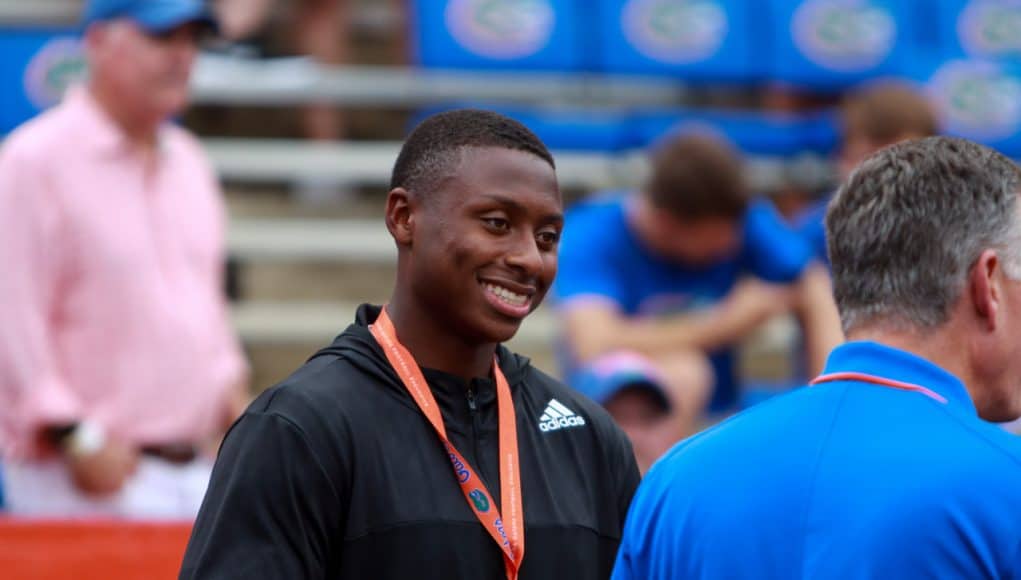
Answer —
(111, 304)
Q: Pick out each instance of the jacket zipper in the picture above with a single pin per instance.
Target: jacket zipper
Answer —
(472, 412)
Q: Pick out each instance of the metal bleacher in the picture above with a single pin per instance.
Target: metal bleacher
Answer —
(347, 243)
(369, 163)
(340, 248)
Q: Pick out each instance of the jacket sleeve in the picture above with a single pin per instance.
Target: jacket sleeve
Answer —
(628, 477)
(272, 510)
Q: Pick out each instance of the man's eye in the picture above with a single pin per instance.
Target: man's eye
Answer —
(548, 238)
(497, 223)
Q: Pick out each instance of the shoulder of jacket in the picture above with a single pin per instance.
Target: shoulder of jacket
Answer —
(315, 387)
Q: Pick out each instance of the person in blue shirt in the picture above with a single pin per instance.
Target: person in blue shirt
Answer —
(680, 272)
(886, 467)
(871, 118)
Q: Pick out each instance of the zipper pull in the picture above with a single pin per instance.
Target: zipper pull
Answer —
(471, 400)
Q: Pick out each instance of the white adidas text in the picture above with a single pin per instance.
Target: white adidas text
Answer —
(557, 416)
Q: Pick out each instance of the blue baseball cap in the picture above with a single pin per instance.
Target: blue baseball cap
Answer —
(608, 375)
(154, 16)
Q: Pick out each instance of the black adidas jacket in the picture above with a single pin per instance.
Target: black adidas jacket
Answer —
(335, 473)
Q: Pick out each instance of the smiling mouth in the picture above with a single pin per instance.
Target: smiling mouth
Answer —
(505, 295)
(507, 301)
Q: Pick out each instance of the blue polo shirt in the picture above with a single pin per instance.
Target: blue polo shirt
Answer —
(601, 257)
(840, 480)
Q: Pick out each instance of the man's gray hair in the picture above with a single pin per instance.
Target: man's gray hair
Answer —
(905, 229)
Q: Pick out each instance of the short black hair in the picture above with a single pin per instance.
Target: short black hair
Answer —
(432, 149)
(697, 175)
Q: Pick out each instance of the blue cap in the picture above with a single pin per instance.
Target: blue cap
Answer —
(608, 375)
(154, 16)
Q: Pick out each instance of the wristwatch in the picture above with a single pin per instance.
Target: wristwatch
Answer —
(86, 438)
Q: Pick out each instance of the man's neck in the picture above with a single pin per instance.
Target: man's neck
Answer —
(433, 344)
(141, 133)
(637, 213)
(942, 347)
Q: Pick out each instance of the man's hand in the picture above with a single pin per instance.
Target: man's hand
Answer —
(104, 472)
(818, 315)
(752, 302)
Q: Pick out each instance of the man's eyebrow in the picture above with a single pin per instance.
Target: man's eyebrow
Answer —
(557, 217)
(504, 200)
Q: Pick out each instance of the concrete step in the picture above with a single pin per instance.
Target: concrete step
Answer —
(277, 161)
(288, 239)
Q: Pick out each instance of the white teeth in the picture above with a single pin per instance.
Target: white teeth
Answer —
(506, 295)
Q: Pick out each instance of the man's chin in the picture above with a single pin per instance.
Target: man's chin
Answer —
(498, 329)
(506, 335)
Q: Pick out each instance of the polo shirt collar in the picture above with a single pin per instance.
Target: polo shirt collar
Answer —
(886, 362)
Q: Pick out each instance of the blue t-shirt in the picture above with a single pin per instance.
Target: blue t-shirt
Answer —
(845, 479)
(601, 256)
(811, 224)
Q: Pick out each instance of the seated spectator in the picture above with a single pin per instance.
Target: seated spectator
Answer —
(631, 389)
(680, 272)
(872, 118)
(118, 366)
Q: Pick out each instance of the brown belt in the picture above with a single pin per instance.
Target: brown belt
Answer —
(178, 453)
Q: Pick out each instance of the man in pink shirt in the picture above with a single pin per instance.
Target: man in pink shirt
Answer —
(117, 361)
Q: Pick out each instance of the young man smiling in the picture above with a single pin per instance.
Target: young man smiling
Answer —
(416, 446)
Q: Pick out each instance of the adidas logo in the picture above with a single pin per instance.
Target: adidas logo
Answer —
(557, 416)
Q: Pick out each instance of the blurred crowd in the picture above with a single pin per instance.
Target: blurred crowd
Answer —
(119, 369)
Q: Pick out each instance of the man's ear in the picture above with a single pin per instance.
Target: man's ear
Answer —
(983, 287)
(400, 216)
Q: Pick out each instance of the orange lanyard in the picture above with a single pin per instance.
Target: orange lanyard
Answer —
(509, 532)
(881, 381)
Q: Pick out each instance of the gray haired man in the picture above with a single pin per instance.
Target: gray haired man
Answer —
(884, 467)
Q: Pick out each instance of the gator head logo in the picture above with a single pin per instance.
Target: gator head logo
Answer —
(844, 35)
(980, 100)
(479, 499)
(991, 28)
(57, 65)
(675, 31)
(501, 28)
